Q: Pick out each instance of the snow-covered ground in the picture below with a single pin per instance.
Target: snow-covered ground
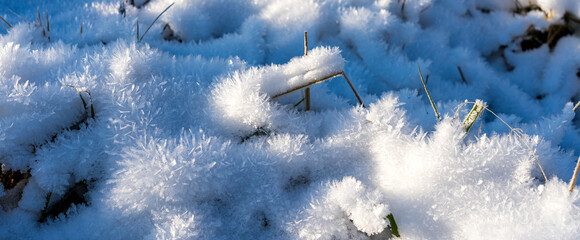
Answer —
(182, 134)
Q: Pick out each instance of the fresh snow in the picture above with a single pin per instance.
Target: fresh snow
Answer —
(190, 140)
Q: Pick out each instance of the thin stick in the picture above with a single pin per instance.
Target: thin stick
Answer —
(322, 80)
(299, 102)
(576, 107)
(429, 95)
(157, 18)
(4, 20)
(461, 74)
(40, 18)
(308, 84)
(307, 90)
(403, 10)
(518, 133)
(17, 15)
(576, 170)
(47, 26)
(305, 43)
(137, 30)
(353, 90)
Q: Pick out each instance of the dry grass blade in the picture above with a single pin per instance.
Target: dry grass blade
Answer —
(38, 18)
(518, 132)
(473, 114)
(322, 80)
(307, 90)
(85, 105)
(4, 20)
(576, 170)
(428, 94)
(353, 90)
(461, 74)
(576, 107)
(47, 27)
(16, 14)
(157, 18)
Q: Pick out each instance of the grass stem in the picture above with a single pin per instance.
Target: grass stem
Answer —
(307, 90)
(428, 94)
(461, 74)
(518, 132)
(4, 20)
(576, 170)
(576, 106)
(151, 25)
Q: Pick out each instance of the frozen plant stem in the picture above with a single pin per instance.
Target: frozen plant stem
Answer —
(577, 169)
(137, 30)
(573, 180)
(16, 14)
(157, 18)
(47, 27)
(428, 95)
(461, 74)
(518, 132)
(473, 114)
(4, 20)
(307, 90)
(576, 106)
(322, 80)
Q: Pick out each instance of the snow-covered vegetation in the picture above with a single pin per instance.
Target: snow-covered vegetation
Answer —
(190, 130)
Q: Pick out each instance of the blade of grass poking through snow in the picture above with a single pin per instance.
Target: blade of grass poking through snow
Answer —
(322, 80)
(47, 27)
(428, 95)
(16, 14)
(473, 115)
(307, 90)
(80, 91)
(4, 20)
(518, 132)
(575, 175)
(137, 31)
(157, 18)
(393, 224)
(461, 74)
(577, 169)
(353, 90)
(318, 66)
(576, 106)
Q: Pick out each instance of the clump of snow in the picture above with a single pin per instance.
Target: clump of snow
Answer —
(344, 201)
(241, 101)
(190, 140)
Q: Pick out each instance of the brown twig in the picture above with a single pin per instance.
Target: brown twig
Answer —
(4, 20)
(461, 73)
(17, 15)
(576, 170)
(157, 18)
(322, 80)
(353, 90)
(47, 27)
(576, 106)
(307, 90)
(518, 132)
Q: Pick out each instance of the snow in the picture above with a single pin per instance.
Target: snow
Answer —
(194, 135)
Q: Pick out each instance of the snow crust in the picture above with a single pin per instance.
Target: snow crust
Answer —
(190, 140)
